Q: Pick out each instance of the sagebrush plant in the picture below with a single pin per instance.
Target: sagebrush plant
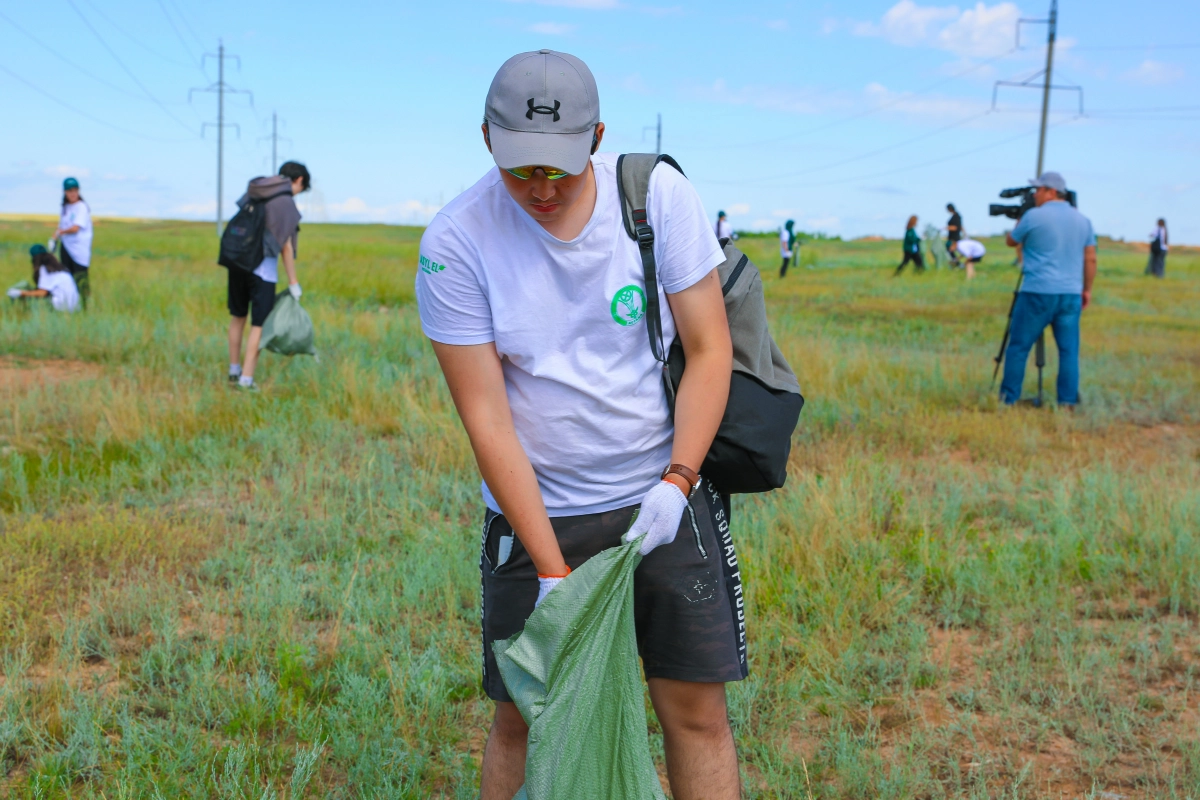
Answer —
(205, 593)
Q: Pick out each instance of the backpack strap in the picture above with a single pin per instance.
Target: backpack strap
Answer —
(633, 185)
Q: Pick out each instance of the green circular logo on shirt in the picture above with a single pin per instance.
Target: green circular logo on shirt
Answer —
(628, 305)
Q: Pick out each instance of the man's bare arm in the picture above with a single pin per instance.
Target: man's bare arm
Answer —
(476, 383)
(289, 262)
(1089, 273)
(699, 313)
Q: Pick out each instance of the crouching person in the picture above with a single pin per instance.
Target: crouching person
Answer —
(53, 281)
(534, 299)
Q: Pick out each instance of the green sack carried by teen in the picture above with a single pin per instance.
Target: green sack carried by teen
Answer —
(573, 673)
(288, 329)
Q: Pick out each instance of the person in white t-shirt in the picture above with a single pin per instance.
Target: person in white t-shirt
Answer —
(52, 279)
(74, 235)
(534, 299)
(972, 253)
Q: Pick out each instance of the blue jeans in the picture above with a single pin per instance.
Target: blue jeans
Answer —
(1030, 316)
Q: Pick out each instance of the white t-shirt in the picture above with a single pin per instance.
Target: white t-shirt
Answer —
(64, 295)
(78, 244)
(1160, 235)
(568, 321)
(724, 229)
(969, 248)
(268, 270)
(784, 237)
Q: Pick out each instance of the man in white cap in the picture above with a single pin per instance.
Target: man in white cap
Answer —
(1058, 248)
(534, 299)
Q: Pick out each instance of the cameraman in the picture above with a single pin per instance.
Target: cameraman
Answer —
(1058, 248)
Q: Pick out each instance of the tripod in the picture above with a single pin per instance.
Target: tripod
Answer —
(1039, 356)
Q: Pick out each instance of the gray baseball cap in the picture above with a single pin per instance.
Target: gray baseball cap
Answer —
(1051, 180)
(542, 109)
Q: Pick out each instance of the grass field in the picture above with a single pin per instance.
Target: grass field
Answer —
(207, 593)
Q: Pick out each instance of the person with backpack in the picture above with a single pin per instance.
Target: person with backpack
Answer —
(724, 229)
(912, 248)
(74, 236)
(537, 306)
(52, 279)
(787, 243)
(251, 285)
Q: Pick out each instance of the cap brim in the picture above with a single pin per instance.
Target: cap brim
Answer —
(565, 151)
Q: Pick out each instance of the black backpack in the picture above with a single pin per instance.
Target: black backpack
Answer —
(242, 239)
(750, 451)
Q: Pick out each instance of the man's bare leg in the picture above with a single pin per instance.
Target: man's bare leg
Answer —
(701, 756)
(252, 351)
(504, 754)
(236, 326)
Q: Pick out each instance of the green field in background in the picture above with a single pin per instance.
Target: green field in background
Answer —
(209, 593)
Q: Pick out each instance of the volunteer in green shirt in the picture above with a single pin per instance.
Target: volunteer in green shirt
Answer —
(912, 247)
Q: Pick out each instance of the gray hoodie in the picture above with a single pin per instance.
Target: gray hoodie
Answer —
(283, 218)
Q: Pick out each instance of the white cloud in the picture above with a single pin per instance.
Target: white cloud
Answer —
(67, 171)
(205, 209)
(552, 28)
(1154, 73)
(355, 209)
(829, 25)
(979, 31)
(597, 5)
(771, 98)
(738, 209)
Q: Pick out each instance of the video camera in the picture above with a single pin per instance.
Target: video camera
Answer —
(1017, 211)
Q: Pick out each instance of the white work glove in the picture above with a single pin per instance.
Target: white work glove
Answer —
(658, 518)
(50, 243)
(294, 290)
(544, 587)
(14, 293)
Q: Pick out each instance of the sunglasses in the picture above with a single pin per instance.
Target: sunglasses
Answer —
(525, 173)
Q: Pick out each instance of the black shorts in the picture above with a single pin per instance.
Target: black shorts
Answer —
(689, 610)
(248, 291)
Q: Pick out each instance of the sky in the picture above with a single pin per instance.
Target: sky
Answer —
(847, 117)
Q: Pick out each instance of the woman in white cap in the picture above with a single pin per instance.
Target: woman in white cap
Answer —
(75, 237)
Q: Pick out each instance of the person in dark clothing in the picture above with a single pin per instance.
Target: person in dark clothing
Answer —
(954, 232)
(256, 290)
(787, 243)
(912, 248)
(1157, 265)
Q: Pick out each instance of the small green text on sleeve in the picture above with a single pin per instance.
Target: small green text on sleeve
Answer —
(431, 267)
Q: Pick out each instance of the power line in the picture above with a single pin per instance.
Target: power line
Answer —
(128, 71)
(84, 70)
(188, 25)
(862, 156)
(873, 110)
(131, 37)
(85, 114)
(178, 35)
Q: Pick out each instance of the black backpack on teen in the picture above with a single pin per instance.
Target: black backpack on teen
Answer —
(751, 448)
(242, 239)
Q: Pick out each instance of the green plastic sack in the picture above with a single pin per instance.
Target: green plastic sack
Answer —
(573, 673)
(288, 329)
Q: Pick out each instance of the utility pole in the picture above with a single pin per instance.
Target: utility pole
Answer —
(658, 134)
(1053, 26)
(220, 88)
(274, 137)
(1047, 83)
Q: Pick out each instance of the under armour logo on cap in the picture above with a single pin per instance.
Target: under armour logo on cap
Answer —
(542, 110)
